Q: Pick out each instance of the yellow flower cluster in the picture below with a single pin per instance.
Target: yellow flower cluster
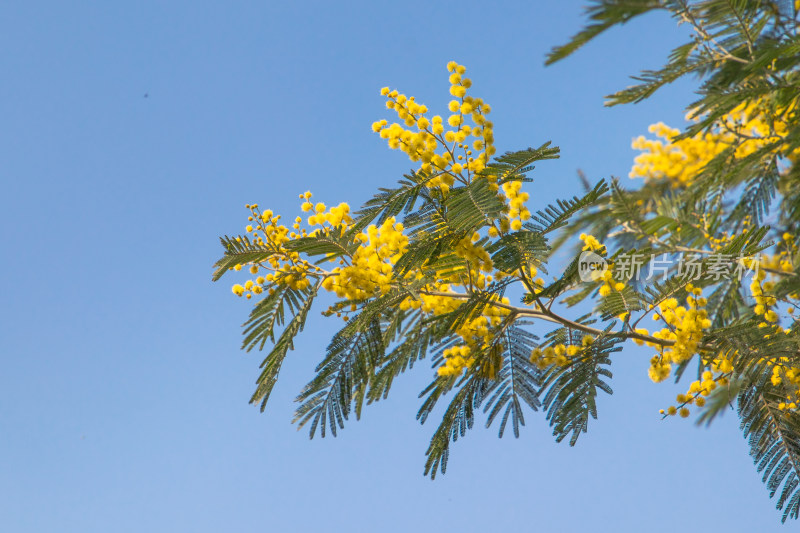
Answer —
(784, 373)
(678, 161)
(338, 216)
(609, 284)
(284, 267)
(456, 359)
(698, 391)
(717, 243)
(764, 303)
(479, 260)
(782, 260)
(684, 327)
(592, 244)
(370, 271)
(517, 211)
(789, 378)
(718, 375)
(459, 153)
(747, 129)
(430, 302)
(559, 354)
(447, 153)
(473, 332)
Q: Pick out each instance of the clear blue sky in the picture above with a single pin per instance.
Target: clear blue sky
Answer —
(123, 394)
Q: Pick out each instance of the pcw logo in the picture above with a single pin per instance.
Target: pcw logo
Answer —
(588, 263)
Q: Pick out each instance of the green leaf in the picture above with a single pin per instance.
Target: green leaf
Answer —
(417, 337)
(603, 15)
(458, 418)
(324, 243)
(774, 438)
(272, 363)
(240, 252)
(392, 202)
(520, 249)
(571, 391)
(557, 216)
(512, 165)
(517, 381)
(266, 314)
(471, 207)
(341, 380)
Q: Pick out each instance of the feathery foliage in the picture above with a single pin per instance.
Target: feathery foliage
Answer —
(706, 244)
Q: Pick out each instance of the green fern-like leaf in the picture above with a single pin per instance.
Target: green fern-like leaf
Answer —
(774, 438)
(394, 202)
(571, 391)
(458, 418)
(274, 360)
(557, 216)
(418, 337)
(239, 252)
(517, 382)
(517, 250)
(341, 380)
(472, 206)
(325, 243)
(602, 15)
(513, 165)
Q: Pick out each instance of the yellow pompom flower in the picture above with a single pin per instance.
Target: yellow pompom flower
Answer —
(700, 401)
(458, 91)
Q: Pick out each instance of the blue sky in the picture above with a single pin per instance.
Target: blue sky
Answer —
(123, 394)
